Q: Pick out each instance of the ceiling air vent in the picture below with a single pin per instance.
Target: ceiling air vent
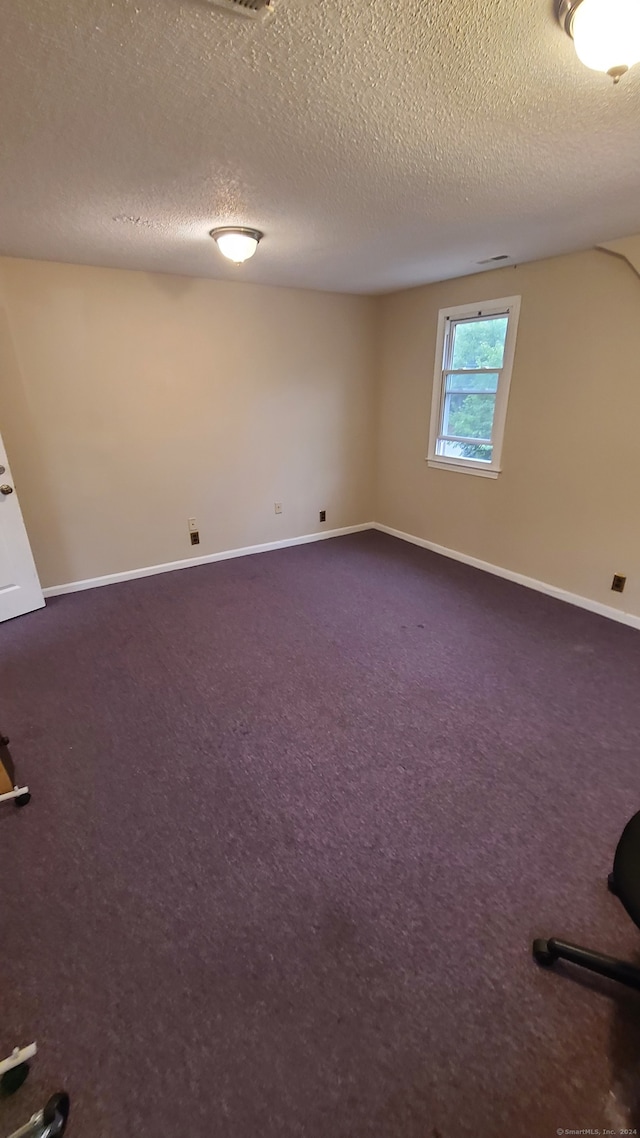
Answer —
(252, 9)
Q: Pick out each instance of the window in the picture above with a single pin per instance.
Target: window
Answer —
(474, 358)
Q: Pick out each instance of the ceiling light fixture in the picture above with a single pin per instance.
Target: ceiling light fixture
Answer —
(236, 243)
(605, 33)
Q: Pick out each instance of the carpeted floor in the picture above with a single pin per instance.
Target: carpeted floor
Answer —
(295, 820)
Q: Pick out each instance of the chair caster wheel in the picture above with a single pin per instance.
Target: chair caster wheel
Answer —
(541, 953)
(56, 1114)
(13, 1079)
(611, 885)
(22, 799)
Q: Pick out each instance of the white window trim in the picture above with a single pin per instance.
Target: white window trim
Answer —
(510, 304)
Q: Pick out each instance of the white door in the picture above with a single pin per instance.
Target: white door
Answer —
(20, 590)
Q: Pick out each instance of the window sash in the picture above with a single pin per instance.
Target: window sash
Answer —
(447, 370)
(497, 371)
(472, 370)
(448, 319)
(478, 317)
(444, 395)
(466, 439)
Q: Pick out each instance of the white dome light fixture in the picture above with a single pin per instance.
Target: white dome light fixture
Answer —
(605, 33)
(236, 243)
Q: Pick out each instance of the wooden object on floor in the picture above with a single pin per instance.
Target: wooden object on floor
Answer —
(9, 788)
(6, 771)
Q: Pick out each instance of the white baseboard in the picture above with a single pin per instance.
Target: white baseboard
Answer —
(205, 559)
(529, 582)
(608, 611)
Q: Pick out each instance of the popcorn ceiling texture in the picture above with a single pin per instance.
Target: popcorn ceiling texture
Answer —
(378, 144)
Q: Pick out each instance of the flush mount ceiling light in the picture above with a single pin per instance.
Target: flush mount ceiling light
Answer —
(605, 33)
(236, 243)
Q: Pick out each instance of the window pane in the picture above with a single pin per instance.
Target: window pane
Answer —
(469, 416)
(462, 381)
(479, 343)
(464, 450)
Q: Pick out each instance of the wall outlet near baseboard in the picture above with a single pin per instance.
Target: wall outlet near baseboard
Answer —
(619, 583)
(277, 507)
(193, 525)
(323, 515)
(195, 537)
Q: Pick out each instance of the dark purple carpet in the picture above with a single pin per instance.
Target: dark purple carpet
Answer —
(295, 820)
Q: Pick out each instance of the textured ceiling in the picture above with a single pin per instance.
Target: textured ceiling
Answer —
(378, 143)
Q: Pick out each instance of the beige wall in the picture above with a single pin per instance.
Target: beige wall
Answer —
(130, 401)
(565, 508)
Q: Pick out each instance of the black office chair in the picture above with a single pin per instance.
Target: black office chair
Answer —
(624, 882)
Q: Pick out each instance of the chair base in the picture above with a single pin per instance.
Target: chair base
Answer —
(546, 952)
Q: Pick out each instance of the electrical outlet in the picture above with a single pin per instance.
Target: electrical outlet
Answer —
(323, 515)
(619, 583)
(277, 507)
(193, 525)
(195, 537)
